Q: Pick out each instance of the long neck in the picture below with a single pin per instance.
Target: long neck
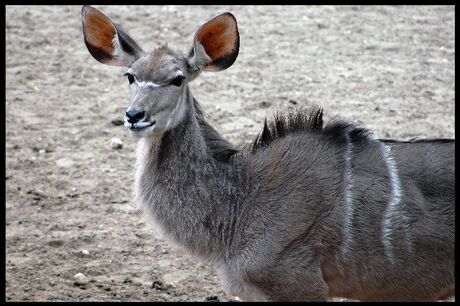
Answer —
(180, 186)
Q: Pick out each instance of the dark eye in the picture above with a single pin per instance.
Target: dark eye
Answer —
(130, 77)
(177, 80)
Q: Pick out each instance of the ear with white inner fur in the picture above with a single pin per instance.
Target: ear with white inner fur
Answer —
(106, 42)
(216, 44)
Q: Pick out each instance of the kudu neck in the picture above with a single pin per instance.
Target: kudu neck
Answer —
(185, 141)
(177, 155)
(177, 181)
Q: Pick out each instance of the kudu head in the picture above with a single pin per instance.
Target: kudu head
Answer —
(158, 79)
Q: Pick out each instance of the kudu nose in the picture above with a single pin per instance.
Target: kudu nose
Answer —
(134, 115)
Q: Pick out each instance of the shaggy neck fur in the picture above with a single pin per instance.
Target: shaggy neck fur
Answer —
(183, 188)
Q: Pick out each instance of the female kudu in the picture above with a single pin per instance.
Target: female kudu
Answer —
(306, 212)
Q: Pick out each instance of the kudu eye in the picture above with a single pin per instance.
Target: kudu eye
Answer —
(177, 80)
(130, 78)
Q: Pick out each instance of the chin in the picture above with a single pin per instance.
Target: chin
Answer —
(144, 132)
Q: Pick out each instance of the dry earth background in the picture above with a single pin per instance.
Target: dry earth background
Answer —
(391, 68)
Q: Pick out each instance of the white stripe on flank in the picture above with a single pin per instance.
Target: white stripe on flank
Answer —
(348, 181)
(391, 209)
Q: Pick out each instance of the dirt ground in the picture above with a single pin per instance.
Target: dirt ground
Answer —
(69, 195)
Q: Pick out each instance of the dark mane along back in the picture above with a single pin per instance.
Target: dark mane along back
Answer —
(284, 124)
(338, 130)
(302, 121)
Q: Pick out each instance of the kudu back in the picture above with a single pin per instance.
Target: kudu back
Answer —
(306, 211)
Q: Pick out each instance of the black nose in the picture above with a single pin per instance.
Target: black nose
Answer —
(134, 115)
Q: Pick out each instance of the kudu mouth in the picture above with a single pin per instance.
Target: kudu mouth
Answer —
(139, 125)
(135, 120)
(139, 128)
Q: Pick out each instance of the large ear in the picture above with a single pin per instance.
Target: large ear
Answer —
(216, 44)
(106, 42)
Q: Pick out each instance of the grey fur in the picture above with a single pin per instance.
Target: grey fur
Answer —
(270, 216)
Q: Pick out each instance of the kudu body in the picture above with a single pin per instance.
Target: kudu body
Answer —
(306, 212)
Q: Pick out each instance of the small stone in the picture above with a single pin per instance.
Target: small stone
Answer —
(84, 252)
(65, 162)
(321, 26)
(72, 193)
(117, 121)
(49, 148)
(265, 104)
(80, 279)
(157, 285)
(235, 299)
(117, 143)
(37, 193)
(127, 280)
(429, 93)
(212, 298)
(56, 243)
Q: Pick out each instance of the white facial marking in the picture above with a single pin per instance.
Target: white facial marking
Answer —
(150, 83)
(143, 84)
(147, 84)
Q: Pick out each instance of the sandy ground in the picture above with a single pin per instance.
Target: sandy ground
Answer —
(390, 68)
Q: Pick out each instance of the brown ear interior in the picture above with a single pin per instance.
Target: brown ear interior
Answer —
(220, 39)
(99, 33)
